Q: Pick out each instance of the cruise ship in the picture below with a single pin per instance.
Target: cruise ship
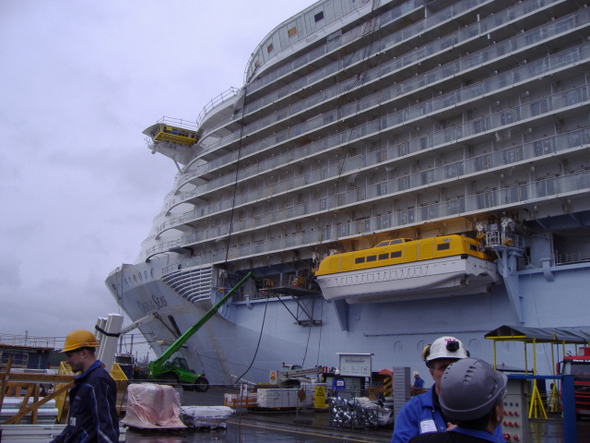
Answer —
(391, 171)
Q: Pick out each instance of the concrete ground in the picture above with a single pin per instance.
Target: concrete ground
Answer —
(306, 426)
(299, 426)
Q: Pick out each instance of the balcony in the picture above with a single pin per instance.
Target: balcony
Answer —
(503, 82)
(571, 185)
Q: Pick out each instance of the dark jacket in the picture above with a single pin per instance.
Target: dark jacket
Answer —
(93, 414)
(457, 435)
(422, 414)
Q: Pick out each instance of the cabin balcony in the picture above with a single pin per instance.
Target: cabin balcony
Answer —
(528, 115)
(534, 196)
(558, 64)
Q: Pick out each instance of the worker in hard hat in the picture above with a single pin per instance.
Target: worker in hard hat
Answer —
(472, 396)
(418, 381)
(93, 415)
(338, 383)
(423, 414)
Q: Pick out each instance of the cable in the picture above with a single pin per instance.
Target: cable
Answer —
(308, 337)
(258, 344)
(371, 26)
(233, 203)
(320, 336)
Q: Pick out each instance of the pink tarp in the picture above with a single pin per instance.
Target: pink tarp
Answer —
(151, 406)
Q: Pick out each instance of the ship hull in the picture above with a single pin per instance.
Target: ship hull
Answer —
(360, 122)
(395, 331)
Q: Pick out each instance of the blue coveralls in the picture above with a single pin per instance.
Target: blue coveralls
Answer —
(419, 416)
(93, 414)
(484, 435)
(455, 435)
(418, 383)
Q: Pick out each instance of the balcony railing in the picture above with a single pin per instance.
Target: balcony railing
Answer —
(509, 48)
(529, 193)
(352, 35)
(568, 258)
(523, 153)
(388, 43)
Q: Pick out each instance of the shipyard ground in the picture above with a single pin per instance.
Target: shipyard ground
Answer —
(295, 426)
(253, 426)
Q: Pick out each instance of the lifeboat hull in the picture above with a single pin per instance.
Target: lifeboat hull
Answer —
(423, 279)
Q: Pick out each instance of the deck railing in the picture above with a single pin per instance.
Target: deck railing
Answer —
(28, 340)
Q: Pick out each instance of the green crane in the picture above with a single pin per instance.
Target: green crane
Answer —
(177, 369)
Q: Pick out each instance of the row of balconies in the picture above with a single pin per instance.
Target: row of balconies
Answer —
(492, 85)
(480, 127)
(400, 64)
(513, 156)
(334, 44)
(393, 41)
(530, 193)
(349, 37)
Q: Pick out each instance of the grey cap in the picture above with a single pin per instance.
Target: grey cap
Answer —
(469, 389)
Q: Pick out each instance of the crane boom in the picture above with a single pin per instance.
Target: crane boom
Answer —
(193, 329)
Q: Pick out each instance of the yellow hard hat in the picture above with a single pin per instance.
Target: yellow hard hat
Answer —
(80, 338)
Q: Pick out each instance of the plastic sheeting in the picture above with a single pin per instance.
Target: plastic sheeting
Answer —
(205, 416)
(151, 406)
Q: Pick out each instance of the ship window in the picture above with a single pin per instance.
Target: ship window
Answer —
(292, 32)
(269, 48)
(359, 260)
(371, 258)
(443, 246)
(383, 256)
(396, 254)
(319, 16)
(472, 247)
(383, 243)
(397, 241)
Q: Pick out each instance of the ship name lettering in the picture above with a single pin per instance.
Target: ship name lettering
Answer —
(146, 306)
(159, 301)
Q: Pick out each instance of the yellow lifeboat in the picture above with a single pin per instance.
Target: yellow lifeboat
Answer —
(167, 133)
(407, 269)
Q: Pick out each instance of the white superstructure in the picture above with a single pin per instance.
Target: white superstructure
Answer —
(361, 121)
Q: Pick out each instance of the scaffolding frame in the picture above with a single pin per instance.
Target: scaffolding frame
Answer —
(556, 337)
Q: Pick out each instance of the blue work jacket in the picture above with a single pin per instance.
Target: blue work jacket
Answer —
(457, 435)
(93, 414)
(418, 383)
(420, 416)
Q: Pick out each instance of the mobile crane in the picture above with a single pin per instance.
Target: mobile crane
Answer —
(291, 376)
(177, 369)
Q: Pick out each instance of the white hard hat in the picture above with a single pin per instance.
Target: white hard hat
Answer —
(337, 371)
(445, 347)
(416, 373)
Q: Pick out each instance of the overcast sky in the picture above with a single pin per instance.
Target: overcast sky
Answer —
(79, 82)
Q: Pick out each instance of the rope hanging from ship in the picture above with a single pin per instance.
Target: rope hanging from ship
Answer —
(230, 231)
(257, 345)
(371, 25)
